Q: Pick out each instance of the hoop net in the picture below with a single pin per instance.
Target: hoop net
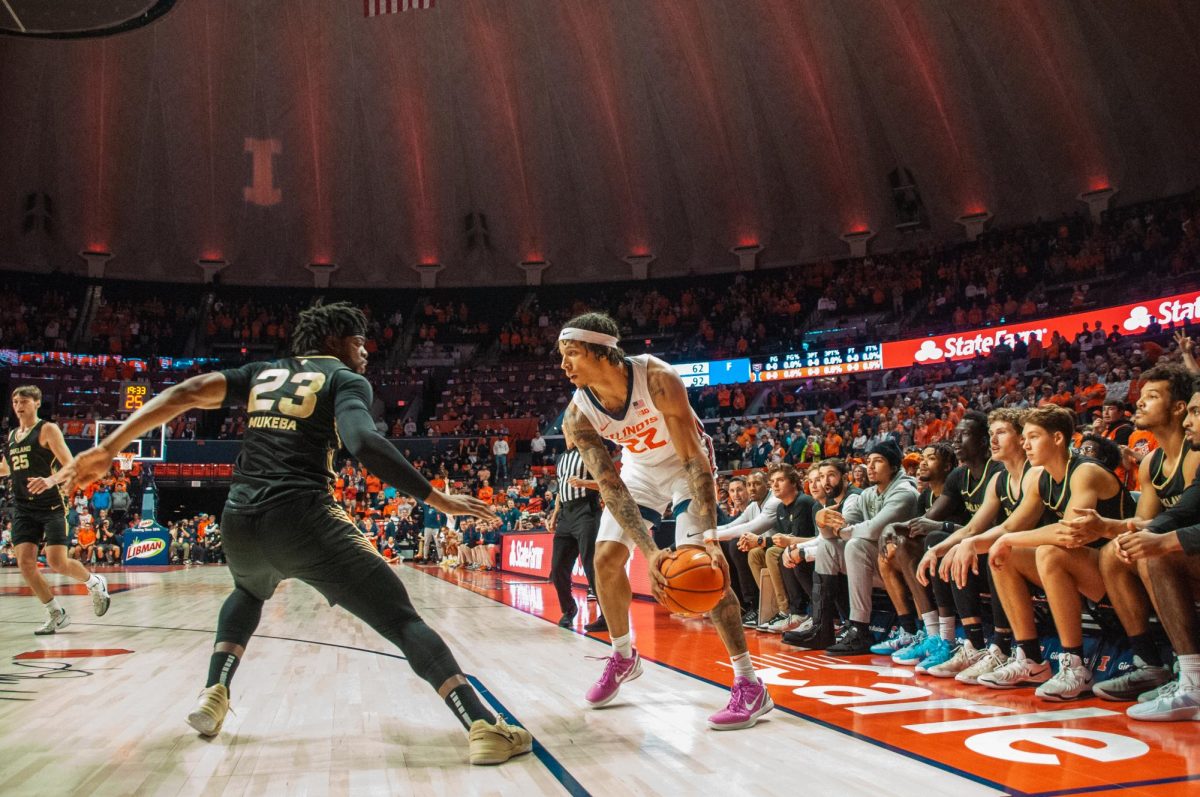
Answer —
(125, 460)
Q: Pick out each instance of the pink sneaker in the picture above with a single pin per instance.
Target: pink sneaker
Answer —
(748, 701)
(617, 671)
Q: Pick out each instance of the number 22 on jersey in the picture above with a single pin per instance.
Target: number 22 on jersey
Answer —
(643, 441)
(300, 397)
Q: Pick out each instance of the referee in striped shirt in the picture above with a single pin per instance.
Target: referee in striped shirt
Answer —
(575, 522)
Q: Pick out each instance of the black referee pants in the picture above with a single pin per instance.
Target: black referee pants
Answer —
(574, 536)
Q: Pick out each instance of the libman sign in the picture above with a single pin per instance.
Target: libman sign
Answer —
(146, 544)
(1129, 319)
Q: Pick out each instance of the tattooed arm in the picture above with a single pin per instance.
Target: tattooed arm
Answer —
(617, 499)
(670, 397)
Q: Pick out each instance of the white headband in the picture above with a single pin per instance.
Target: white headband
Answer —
(588, 336)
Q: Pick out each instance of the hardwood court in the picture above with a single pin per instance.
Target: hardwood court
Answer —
(324, 706)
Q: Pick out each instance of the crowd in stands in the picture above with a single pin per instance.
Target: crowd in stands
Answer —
(141, 327)
(394, 523)
(1082, 375)
(38, 317)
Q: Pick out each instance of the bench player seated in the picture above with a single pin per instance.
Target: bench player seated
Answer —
(1056, 557)
(1166, 552)
(1165, 475)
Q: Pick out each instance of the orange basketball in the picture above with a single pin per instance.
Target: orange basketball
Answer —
(693, 586)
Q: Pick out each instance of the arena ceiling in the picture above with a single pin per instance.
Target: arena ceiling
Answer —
(482, 133)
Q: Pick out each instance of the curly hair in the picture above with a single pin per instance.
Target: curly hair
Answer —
(321, 321)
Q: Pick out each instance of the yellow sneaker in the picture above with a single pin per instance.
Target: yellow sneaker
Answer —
(495, 743)
(209, 714)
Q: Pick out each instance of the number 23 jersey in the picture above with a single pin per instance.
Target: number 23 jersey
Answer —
(640, 429)
(291, 433)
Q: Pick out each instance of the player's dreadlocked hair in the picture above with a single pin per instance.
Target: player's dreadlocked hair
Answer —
(321, 321)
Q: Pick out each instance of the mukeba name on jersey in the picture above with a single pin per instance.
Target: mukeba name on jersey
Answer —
(272, 422)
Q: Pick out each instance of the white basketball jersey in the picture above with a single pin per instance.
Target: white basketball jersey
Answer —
(641, 430)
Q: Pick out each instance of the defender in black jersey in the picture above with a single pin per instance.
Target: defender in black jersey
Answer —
(281, 521)
(1053, 556)
(40, 512)
(1164, 475)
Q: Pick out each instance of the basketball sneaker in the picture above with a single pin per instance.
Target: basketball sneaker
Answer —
(749, 619)
(56, 620)
(963, 657)
(748, 700)
(898, 639)
(916, 651)
(496, 742)
(1155, 694)
(1072, 681)
(790, 622)
(209, 714)
(991, 660)
(1135, 681)
(617, 671)
(1018, 671)
(765, 625)
(100, 597)
(938, 651)
(1171, 705)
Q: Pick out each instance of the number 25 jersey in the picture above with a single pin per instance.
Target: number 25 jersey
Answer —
(640, 429)
(291, 434)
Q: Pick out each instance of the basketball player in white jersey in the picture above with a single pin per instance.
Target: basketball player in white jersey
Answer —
(641, 404)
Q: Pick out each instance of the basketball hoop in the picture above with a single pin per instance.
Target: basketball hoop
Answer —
(125, 461)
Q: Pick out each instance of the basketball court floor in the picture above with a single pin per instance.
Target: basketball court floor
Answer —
(324, 706)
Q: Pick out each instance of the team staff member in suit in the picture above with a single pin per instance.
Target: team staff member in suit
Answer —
(575, 522)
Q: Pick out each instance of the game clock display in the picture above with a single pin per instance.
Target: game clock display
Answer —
(132, 396)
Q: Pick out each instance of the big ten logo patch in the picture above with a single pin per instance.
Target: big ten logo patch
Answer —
(262, 190)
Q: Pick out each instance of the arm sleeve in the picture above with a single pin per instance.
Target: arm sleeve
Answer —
(900, 505)
(357, 429)
(1189, 538)
(237, 384)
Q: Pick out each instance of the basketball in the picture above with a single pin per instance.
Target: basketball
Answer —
(693, 586)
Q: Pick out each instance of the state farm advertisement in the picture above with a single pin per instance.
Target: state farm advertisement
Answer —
(1130, 319)
(530, 554)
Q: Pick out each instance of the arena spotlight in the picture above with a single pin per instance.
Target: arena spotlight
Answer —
(747, 255)
(533, 270)
(211, 267)
(857, 241)
(974, 223)
(96, 260)
(321, 273)
(1097, 201)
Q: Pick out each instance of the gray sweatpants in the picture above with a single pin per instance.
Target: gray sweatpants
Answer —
(858, 558)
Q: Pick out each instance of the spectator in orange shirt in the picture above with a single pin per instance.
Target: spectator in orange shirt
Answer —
(833, 443)
(486, 493)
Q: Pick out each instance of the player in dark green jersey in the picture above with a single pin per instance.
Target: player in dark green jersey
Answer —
(281, 521)
(40, 514)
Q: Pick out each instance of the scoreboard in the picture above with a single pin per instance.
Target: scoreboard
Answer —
(132, 395)
(714, 372)
(817, 362)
